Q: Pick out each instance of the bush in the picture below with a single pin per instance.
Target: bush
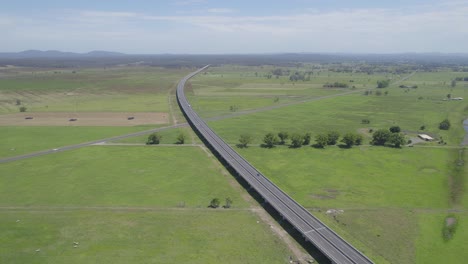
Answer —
(153, 139)
(444, 125)
(22, 109)
(395, 129)
(180, 139)
(332, 137)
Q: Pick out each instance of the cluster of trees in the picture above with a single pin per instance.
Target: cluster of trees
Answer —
(335, 85)
(391, 136)
(407, 86)
(331, 138)
(155, 139)
(215, 202)
(300, 76)
(383, 83)
(297, 140)
(377, 93)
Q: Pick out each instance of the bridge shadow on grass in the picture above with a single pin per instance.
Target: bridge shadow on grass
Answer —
(308, 246)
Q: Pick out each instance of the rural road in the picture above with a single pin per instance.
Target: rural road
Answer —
(321, 236)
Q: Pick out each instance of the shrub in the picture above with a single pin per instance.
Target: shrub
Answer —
(444, 125)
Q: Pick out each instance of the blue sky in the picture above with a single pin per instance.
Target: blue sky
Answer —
(208, 26)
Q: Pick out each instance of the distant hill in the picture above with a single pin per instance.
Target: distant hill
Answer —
(32, 54)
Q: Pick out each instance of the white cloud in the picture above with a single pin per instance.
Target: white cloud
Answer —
(190, 2)
(428, 28)
(220, 10)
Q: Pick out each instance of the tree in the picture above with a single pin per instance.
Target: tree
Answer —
(444, 125)
(351, 139)
(283, 136)
(153, 139)
(180, 138)
(380, 137)
(296, 140)
(22, 109)
(333, 137)
(214, 203)
(270, 140)
(307, 138)
(395, 129)
(397, 139)
(18, 102)
(228, 203)
(358, 140)
(244, 140)
(321, 140)
(449, 96)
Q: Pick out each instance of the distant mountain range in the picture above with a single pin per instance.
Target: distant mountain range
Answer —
(30, 54)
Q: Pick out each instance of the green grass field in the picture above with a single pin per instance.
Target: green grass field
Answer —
(22, 140)
(394, 200)
(128, 204)
(115, 176)
(137, 237)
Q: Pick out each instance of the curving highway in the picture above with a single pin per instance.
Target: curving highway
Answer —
(312, 229)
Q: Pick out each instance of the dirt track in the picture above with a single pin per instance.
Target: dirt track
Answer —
(83, 119)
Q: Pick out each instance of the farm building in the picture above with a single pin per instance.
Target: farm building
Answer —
(425, 137)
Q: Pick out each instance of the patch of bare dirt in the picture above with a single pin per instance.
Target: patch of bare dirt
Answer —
(83, 119)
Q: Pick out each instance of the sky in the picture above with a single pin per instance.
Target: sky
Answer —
(240, 26)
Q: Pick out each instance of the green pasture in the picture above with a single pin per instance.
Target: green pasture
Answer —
(116, 176)
(345, 114)
(431, 248)
(361, 177)
(22, 140)
(132, 236)
(224, 88)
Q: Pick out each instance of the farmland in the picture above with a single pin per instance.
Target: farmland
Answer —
(391, 203)
(127, 204)
(383, 200)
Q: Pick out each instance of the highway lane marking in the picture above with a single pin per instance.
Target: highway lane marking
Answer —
(314, 230)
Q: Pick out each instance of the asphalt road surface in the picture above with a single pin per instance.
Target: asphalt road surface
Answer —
(312, 229)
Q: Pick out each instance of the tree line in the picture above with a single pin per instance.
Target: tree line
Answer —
(382, 137)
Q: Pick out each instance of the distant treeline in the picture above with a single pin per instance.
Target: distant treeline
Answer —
(368, 63)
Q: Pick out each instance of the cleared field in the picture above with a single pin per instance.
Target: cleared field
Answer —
(357, 178)
(117, 89)
(179, 236)
(19, 140)
(117, 176)
(125, 205)
(83, 119)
